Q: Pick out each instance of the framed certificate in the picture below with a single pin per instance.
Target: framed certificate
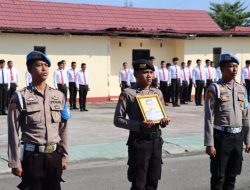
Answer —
(151, 107)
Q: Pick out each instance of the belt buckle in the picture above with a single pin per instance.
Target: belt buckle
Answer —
(48, 149)
(153, 135)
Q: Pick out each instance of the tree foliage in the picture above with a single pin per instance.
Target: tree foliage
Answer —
(228, 15)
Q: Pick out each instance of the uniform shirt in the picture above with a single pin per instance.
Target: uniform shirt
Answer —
(156, 74)
(28, 78)
(39, 121)
(163, 75)
(210, 75)
(230, 109)
(14, 75)
(184, 74)
(72, 73)
(82, 78)
(175, 71)
(190, 72)
(218, 74)
(61, 77)
(127, 105)
(5, 77)
(245, 74)
(199, 74)
(131, 76)
(124, 75)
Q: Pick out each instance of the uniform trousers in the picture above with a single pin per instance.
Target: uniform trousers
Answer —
(63, 89)
(144, 162)
(72, 94)
(83, 91)
(164, 88)
(11, 92)
(190, 87)
(169, 94)
(198, 91)
(124, 85)
(227, 163)
(175, 88)
(3, 97)
(184, 92)
(41, 171)
(247, 83)
(154, 83)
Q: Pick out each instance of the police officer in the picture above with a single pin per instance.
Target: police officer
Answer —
(226, 125)
(72, 73)
(124, 76)
(4, 87)
(144, 142)
(40, 113)
(245, 76)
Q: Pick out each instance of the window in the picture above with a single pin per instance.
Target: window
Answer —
(40, 48)
(140, 54)
(216, 58)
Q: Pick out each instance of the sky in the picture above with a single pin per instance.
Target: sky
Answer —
(167, 4)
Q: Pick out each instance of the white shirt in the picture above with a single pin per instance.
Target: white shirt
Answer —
(15, 75)
(60, 76)
(5, 77)
(28, 78)
(72, 74)
(82, 78)
(185, 75)
(199, 73)
(124, 75)
(175, 71)
(156, 74)
(210, 75)
(163, 72)
(218, 74)
(131, 76)
(190, 72)
(245, 74)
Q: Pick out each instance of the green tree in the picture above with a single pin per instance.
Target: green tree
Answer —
(228, 15)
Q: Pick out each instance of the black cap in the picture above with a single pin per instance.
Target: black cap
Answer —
(142, 64)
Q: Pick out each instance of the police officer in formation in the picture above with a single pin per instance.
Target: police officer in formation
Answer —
(245, 76)
(14, 80)
(144, 142)
(40, 113)
(4, 87)
(226, 125)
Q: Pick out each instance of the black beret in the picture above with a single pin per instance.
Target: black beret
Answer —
(143, 64)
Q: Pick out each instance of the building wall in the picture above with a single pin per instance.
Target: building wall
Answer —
(94, 51)
(202, 48)
(160, 49)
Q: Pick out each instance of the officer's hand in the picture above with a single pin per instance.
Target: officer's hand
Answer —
(64, 164)
(120, 85)
(17, 171)
(247, 149)
(148, 124)
(211, 151)
(158, 85)
(164, 122)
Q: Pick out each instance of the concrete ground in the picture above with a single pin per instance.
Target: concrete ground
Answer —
(93, 136)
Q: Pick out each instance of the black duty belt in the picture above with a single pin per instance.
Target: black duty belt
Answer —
(147, 135)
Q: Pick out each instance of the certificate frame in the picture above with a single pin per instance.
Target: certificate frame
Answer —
(151, 107)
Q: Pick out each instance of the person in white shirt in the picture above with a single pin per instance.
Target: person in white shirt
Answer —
(218, 74)
(190, 76)
(72, 73)
(211, 78)
(214, 71)
(199, 81)
(169, 92)
(28, 79)
(132, 79)
(155, 81)
(176, 82)
(64, 66)
(124, 76)
(61, 79)
(83, 85)
(245, 77)
(164, 78)
(14, 79)
(185, 84)
(4, 87)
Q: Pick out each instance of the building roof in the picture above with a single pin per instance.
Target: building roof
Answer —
(51, 17)
(240, 29)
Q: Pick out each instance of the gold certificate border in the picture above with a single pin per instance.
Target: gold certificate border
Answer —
(139, 97)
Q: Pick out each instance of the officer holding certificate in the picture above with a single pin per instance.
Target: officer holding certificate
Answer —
(144, 142)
